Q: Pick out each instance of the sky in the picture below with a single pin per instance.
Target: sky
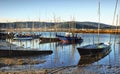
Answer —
(62, 10)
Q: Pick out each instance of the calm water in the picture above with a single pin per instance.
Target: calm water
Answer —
(67, 54)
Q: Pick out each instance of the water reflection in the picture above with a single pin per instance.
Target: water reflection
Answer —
(63, 43)
(66, 54)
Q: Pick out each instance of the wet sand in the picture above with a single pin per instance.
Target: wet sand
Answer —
(95, 69)
(90, 69)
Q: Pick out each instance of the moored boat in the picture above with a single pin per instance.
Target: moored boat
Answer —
(93, 49)
(26, 36)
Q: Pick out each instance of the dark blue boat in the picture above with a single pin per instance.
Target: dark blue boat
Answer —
(93, 49)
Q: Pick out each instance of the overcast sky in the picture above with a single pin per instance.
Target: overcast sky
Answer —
(63, 10)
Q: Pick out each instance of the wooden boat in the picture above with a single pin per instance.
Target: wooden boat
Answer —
(93, 49)
(69, 38)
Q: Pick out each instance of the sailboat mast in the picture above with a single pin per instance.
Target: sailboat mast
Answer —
(98, 20)
(114, 16)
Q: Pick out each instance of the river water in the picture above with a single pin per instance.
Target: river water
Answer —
(67, 54)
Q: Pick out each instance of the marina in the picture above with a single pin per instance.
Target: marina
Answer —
(39, 37)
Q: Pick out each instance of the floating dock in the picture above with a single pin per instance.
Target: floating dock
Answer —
(15, 53)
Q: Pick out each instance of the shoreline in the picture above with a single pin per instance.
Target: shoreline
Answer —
(102, 31)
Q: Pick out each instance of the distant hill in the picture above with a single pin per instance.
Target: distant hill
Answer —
(85, 25)
(70, 24)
